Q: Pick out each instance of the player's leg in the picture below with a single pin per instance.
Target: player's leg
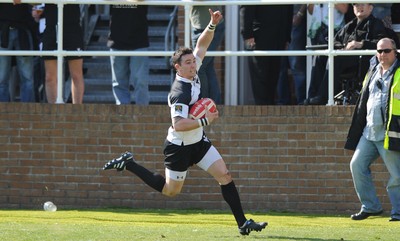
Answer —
(173, 182)
(126, 161)
(213, 163)
(169, 186)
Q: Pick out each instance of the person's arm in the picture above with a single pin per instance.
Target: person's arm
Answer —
(207, 35)
(299, 16)
(289, 24)
(20, 1)
(338, 40)
(310, 9)
(247, 16)
(186, 124)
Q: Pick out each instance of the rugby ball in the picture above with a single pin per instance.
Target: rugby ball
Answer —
(198, 109)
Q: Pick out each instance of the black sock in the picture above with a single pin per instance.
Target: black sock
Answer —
(231, 196)
(154, 180)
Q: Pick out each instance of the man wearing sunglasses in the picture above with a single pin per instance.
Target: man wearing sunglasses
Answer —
(375, 131)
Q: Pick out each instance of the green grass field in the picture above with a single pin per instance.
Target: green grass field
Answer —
(193, 225)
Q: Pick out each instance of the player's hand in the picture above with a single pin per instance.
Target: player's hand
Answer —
(17, 2)
(211, 116)
(216, 16)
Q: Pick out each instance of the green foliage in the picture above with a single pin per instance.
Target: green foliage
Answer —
(180, 225)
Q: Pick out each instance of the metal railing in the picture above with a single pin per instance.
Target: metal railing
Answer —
(60, 53)
(170, 35)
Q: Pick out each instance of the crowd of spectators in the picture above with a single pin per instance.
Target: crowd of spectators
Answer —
(274, 80)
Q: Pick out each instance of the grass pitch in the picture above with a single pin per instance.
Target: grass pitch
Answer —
(180, 225)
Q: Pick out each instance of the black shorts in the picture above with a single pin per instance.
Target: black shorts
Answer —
(72, 41)
(180, 158)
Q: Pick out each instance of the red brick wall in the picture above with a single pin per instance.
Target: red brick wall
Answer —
(281, 157)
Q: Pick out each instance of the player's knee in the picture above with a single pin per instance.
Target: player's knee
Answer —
(171, 193)
(225, 178)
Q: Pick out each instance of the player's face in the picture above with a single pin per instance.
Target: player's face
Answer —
(187, 67)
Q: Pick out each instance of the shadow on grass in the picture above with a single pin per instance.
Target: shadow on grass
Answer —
(164, 212)
(300, 239)
(168, 212)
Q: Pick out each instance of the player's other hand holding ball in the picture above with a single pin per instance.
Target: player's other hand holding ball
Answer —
(211, 116)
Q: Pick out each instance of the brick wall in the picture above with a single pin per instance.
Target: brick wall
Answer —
(281, 157)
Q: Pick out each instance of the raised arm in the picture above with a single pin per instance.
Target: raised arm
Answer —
(207, 35)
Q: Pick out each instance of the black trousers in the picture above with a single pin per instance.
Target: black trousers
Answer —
(264, 73)
(317, 75)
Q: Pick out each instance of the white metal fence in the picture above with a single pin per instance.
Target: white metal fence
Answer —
(231, 67)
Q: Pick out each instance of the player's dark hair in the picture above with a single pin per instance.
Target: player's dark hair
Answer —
(177, 56)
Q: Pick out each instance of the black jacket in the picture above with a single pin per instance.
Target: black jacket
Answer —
(128, 27)
(71, 15)
(270, 25)
(369, 31)
(359, 119)
(18, 16)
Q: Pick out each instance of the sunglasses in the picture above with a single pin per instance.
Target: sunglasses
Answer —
(386, 51)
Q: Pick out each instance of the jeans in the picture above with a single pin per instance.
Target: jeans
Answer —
(208, 77)
(128, 70)
(25, 70)
(365, 154)
(298, 66)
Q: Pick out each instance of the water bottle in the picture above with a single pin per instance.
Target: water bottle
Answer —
(49, 206)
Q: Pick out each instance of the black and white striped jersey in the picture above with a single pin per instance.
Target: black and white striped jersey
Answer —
(183, 94)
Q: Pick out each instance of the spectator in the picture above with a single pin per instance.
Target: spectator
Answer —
(17, 31)
(258, 24)
(200, 17)
(318, 34)
(363, 32)
(395, 13)
(128, 31)
(38, 67)
(297, 64)
(318, 31)
(72, 41)
(383, 11)
(375, 131)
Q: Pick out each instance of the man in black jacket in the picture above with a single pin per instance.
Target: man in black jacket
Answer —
(266, 27)
(17, 33)
(128, 31)
(375, 132)
(363, 32)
